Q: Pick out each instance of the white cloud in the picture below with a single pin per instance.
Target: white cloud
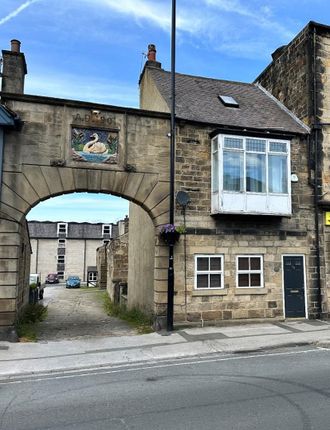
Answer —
(18, 10)
(159, 14)
(211, 23)
(258, 16)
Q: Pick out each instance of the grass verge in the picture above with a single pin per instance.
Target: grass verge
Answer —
(27, 323)
(134, 317)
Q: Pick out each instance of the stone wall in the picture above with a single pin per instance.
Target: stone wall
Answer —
(303, 67)
(117, 265)
(271, 237)
(14, 270)
(288, 77)
(143, 264)
(101, 264)
(38, 164)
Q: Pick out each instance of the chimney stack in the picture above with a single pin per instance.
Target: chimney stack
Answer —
(151, 52)
(151, 57)
(15, 46)
(13, 69)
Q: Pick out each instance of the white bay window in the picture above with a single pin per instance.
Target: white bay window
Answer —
(250, 175)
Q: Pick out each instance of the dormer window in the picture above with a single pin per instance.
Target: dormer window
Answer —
(250, 175)
(62, 229)
(106, 230)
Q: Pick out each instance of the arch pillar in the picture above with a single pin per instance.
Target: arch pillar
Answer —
(14, 271)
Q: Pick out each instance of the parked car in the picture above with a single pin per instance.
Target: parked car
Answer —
(52, 278)
(35, 285)
(72, 282)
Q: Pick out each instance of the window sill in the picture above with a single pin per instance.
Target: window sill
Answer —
(210, 292)
(242, 291)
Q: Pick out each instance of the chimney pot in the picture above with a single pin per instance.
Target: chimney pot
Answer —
(15, 46)
(151, 52)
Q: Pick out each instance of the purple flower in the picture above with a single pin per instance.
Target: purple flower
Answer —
(168, 228)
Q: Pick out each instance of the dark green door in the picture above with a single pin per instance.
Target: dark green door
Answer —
(294, 286)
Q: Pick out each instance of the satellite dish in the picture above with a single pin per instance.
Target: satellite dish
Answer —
(182, 198)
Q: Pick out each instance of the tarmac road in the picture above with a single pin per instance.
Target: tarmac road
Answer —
(279, 390)
(77, 313)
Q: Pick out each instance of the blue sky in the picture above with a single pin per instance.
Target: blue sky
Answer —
(94, 50)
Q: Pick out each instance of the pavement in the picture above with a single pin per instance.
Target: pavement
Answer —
(24, 359)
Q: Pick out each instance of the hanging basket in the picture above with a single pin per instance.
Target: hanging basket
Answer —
(170, 237)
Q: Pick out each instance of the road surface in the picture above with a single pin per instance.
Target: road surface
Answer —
(276, 390)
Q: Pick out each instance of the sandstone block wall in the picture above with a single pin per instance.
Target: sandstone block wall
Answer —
(38, 165)
(270, 237)
(117, 264)
(292, 77)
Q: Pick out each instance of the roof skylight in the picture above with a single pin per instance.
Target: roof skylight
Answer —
(228, 101)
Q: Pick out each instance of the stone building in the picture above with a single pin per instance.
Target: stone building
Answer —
(253, 246)
(67, 248)
(242, 158)
(112, 264)
(298, 76)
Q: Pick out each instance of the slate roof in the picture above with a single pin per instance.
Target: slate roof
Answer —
(197, 100)
(48, 230)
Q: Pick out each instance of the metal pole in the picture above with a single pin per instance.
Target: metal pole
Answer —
(170, 275)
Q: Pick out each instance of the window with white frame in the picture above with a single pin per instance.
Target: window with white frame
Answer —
(208, 272)
(61, 243)
(106, 230)
(249, 271)
(62, 229)
(92, 276)
(250, 175)
(61, 275)
(60, 259)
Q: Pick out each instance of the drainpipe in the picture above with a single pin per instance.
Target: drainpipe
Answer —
(315, 129)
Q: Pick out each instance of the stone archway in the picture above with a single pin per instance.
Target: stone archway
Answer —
(39, 163)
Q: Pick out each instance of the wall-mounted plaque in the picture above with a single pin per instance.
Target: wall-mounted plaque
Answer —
(94, 145)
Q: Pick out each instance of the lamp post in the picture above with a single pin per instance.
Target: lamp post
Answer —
(170, 274)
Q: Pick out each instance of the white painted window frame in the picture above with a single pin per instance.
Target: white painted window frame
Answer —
(260, 271)
(92, 278)
(106, 226)
(248, 202)
(61, 243)
(60, 257)
(60, 227)
(208, 272)
(61, 276)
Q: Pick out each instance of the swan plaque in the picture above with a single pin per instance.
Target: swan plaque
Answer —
(94, 145)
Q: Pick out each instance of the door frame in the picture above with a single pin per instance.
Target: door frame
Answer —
(305, 285)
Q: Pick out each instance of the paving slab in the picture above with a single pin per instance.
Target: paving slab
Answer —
(237, 331)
